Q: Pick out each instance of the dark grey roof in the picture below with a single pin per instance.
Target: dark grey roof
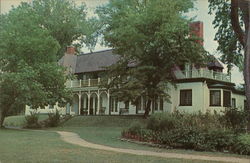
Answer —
(95, 61)
(213, 62)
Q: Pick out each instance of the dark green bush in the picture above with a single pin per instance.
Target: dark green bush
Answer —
(32, 120)
(135, 128)
(53, 119)
(235, 119)
(163, 121)
(242, 145)
(203, 132)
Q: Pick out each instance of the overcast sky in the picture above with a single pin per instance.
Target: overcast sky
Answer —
(201, 14)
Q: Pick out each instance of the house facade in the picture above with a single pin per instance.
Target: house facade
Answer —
(197, 89)
(203, 89)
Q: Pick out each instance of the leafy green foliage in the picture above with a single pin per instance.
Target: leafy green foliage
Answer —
(229, 45)
(150, 37)
(54, 119)
(235, 119)
(65, 21)
(202, 132)
(32, 120)
(28, 55)
(242, 146)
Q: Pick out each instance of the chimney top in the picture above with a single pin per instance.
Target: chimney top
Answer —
(70, 50)
(197, 30)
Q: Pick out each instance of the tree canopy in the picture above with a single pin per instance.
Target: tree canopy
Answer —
(151, 37)
(232, 19)
(32, 38)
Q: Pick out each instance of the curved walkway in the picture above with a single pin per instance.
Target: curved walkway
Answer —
(74, 138)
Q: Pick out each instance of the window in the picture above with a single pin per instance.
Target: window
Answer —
(226, 98)
(233, 102)
(127, 105)
(138, 104)
(155, 103)
(161, 104)
(215, 98)
(186, 97)
(245, 105)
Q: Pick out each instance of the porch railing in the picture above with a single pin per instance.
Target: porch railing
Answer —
(202, 73)
(83, 83)
(199, 73)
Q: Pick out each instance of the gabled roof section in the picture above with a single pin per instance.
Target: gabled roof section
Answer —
(96, 61)
(213, 62)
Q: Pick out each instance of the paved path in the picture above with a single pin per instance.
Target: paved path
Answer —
(74, 138)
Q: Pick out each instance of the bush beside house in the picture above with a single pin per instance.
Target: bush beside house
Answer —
(201, 132)
(53, 120)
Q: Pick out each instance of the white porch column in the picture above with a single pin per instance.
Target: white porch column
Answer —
(89, 82)
(98, 102)
(88, 103)
(108, 102)
(80, 101)
(118, 105)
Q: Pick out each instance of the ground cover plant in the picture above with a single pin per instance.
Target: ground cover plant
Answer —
(201, 132)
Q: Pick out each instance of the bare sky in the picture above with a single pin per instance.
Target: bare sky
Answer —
(201, 14)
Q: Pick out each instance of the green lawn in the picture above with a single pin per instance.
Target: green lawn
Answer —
(39, 146)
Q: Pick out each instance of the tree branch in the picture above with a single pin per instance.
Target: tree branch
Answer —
(235, 22)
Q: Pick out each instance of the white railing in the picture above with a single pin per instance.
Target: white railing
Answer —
(202, 73)
(83, 83)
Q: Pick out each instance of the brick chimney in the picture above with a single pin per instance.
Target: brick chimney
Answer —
(196, 29)
(70, 50)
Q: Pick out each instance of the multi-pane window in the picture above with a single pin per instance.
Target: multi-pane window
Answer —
(226, 98)
(161, 104)
(215, 98)
(113, 104)
(186, 97)
(233, 102)
(138, 104)
(127, 105)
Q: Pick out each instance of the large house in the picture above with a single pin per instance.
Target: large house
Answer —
(198, 89)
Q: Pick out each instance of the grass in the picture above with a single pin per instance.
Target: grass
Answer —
(39, 146)
(19, 121)
(106, 130)
(97, 129)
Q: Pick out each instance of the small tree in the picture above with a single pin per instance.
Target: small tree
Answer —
(150, 37)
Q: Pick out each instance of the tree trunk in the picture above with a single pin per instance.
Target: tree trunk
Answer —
(247, 74)
(2, 116)
(147, 109)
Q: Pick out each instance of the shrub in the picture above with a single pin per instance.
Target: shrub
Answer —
(135, 128)
(163, 121)
(242, 145)
(53, 119)
(235, 119)
(32, 120)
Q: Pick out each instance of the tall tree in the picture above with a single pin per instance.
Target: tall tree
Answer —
(232, 18)
(150, 37)
(66, 22)
(29, 73)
